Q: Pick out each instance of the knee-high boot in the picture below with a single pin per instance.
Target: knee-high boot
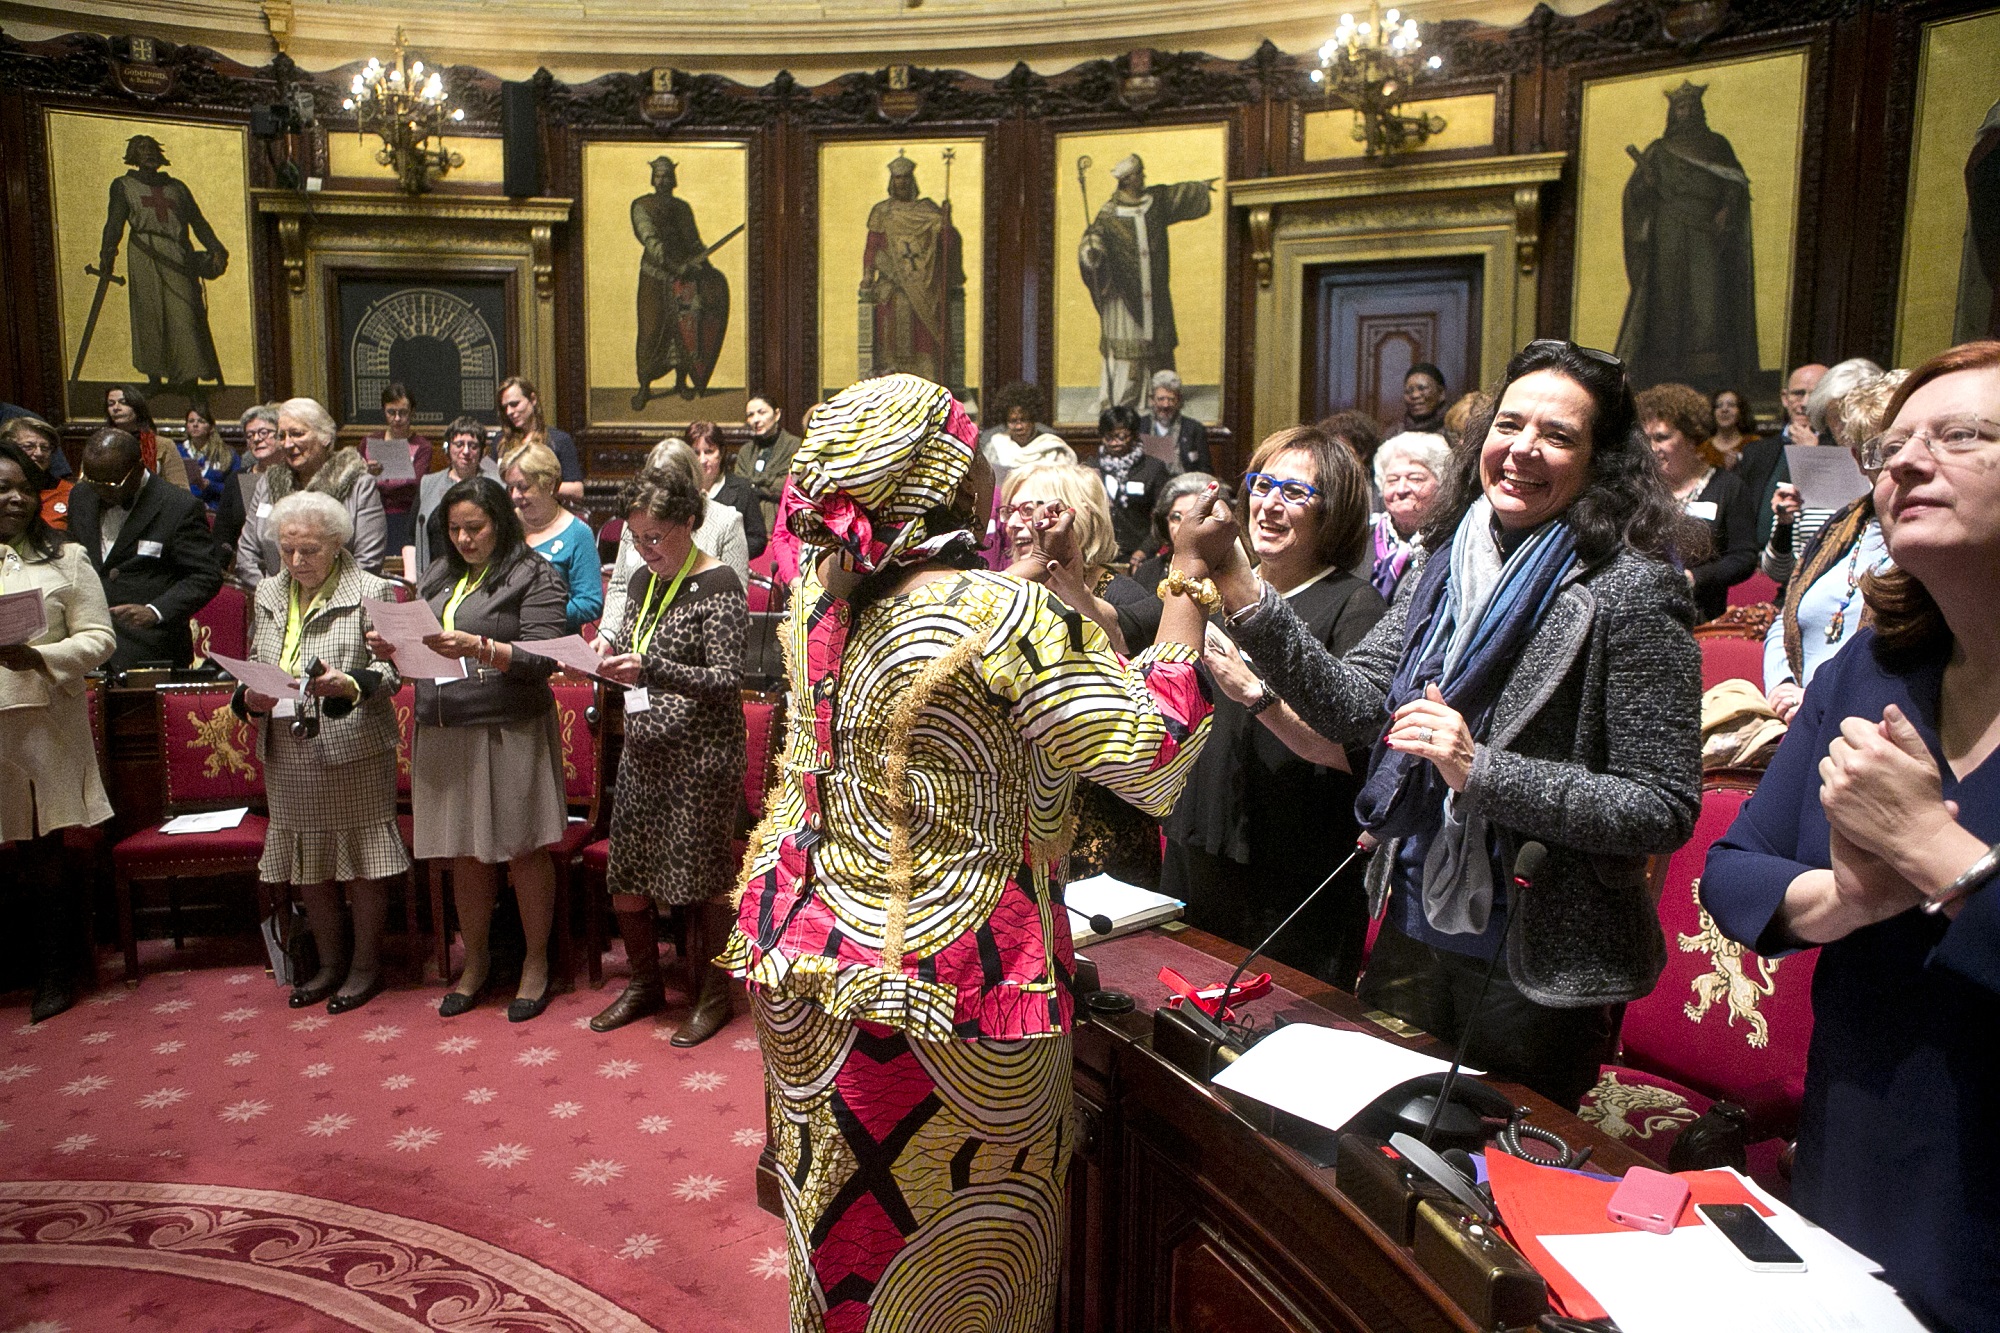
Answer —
(712, 988)
(645, 993)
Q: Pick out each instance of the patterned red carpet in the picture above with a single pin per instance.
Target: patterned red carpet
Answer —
(195, 1155)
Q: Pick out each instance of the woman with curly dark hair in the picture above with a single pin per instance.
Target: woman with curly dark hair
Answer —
(1679, 425)
(1541, 684)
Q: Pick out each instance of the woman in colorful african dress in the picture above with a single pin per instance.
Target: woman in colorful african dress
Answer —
(901, 925)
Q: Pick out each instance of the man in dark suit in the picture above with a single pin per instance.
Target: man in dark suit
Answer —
(150, 543)
(1179, 441)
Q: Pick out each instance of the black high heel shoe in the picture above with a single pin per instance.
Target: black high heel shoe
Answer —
(520, 1010)
(457, 1002)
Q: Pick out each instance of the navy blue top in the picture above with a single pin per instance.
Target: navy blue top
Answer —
(1897, 1151)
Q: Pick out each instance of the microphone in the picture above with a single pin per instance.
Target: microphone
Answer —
(1528, 863)
(1222, 1005)
(1099, 923)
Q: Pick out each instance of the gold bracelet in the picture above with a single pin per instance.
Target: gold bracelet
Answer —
(1202, 590)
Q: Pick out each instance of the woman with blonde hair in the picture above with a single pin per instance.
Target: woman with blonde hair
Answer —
(532, 477)
(1078, 565)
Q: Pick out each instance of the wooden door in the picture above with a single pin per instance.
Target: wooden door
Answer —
(1367, 324)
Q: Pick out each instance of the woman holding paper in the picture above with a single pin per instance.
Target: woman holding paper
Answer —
(532, 475)
(1540, 682)
(48, 764)
(1678, 422)
(1872, 837)
(486, 777)
(679, 652)
(332, 794)
(1823, 607)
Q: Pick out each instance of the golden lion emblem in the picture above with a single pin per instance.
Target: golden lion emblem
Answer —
(1634, 1110)
(227, 741)
(1729, 984)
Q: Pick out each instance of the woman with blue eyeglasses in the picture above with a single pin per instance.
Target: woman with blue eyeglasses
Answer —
(1270, 809)
(1539, 682)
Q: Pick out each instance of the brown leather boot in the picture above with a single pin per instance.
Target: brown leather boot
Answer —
(712, 992)
(645, 994)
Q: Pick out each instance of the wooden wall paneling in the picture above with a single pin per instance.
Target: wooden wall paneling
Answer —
(22, 368)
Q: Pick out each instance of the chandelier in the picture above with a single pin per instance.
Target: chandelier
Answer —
(1371, 66)
(408, 111)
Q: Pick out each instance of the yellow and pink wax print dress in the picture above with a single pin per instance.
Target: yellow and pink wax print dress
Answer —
(908, 957)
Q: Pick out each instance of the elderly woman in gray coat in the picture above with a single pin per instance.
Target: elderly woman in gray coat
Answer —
(331, 786)
(311, 458)
(1539, 682)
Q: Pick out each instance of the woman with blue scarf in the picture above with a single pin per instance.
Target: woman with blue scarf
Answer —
(1538, 681)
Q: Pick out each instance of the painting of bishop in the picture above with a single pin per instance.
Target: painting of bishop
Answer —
(1126, 265)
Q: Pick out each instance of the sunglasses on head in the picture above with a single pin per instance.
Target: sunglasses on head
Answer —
(1601, 357)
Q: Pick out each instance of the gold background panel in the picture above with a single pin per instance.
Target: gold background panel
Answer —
(1468, 123)
(853, 178)
(1198, 278)
(1958, 82)
(353, 157)
(714, 179)
(1759, 106)
(87, 153)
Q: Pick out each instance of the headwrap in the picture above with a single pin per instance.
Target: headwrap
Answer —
(1474, 612)
(877, 460)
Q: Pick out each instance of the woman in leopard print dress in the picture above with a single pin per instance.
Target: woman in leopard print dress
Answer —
(673, 811)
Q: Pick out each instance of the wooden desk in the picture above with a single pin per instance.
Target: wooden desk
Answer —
(1184, 1215)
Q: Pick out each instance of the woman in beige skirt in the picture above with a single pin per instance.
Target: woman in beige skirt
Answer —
(486, 785)
(329, 763)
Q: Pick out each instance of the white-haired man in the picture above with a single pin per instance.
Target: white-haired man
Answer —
(1175, 439)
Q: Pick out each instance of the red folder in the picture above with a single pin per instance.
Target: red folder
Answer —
(1537, 1201)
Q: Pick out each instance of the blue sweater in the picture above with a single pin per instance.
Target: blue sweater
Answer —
(573, 552)
(1896, 1135)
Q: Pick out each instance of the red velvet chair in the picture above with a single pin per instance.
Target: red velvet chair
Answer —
(764, 721)
(1724, 657)
(1722, 1024)
(579, 716)
(223, 625)
(208, 761)
(1754, 591)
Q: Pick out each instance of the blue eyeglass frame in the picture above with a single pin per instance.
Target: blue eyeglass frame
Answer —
(1250, 480)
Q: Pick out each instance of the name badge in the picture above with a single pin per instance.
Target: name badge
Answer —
(285, 708)
(760, 464)
(637, 700)
(264, 510)
(1703, 509)
(1135, 488)
(153, 549)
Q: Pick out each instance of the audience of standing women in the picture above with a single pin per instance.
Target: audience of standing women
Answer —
(1270, 808)
(48, 764)
(1875, 837)
(486, 773)
(679, 648)
(521, 413)
(532, 477)
(330, 757)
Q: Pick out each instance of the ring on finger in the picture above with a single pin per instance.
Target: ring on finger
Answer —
(1423, 735)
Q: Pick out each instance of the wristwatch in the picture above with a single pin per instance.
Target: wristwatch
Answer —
(1264, 700)
(1974, 879)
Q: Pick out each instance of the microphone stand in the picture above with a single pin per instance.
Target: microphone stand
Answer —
(1222, 1005)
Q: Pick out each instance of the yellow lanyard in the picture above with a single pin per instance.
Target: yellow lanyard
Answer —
(295, 627)
(642, 629)
(466, 583)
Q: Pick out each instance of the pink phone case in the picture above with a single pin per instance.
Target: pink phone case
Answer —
(1648, 1200)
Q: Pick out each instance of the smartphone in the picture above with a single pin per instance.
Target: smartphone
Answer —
(1761, 1249)
(1648, 1200)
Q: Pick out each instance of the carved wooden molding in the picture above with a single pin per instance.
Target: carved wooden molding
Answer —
(1260, 242)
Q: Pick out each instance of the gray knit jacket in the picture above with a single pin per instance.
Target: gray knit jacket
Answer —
(1594, 750)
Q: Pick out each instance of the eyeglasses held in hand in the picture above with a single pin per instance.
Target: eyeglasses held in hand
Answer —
(1952, 438)
(1030, 510)
(1292, 491)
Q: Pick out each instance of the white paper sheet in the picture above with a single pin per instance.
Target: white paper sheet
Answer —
(1693, 1279)
(22, 616)
(1827, 475)
(207, 821)
(394, 456)
(1325, 1075)
(571, 650)
(259, 676)
(1130, 907)
(404, 625)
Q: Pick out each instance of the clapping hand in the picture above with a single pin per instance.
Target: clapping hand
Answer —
(1209, 540)
(1880, 786)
